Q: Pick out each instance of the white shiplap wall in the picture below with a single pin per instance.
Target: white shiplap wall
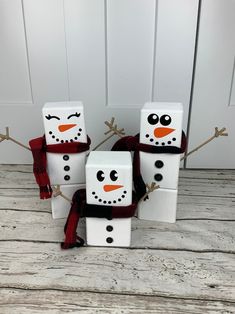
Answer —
(114, 55)
(214, 89)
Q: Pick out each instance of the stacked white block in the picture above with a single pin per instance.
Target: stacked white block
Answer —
(161, 125)
(64, 123)
(109, 183)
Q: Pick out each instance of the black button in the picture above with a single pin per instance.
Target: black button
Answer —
(67, 178)
(109, 228)
(66, 157)
(109, 240)
(66, 168)
(158, 177)
(159, 164)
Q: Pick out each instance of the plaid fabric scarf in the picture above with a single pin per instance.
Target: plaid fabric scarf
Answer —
(39, 149)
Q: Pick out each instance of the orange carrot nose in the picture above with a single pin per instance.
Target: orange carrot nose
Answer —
(161, 132)
(111, 187)
(65, 127)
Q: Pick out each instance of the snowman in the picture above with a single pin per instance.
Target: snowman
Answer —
(109, 183)
(156, 159)
(60, 156)
(161, 127)
(108, 202)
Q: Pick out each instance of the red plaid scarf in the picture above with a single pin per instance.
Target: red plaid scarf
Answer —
(39, 149)
(131, 143)
(80, 208)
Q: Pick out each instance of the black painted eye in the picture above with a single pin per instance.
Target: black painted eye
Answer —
(49, 117)
(153, 118)
(165, 119)
(74, 115)
(100, 175)
(113, 175)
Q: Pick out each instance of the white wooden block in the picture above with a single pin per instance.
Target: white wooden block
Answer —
(160, 168)
(161, 206)
(161, 124)
(61, 207)
(66, 168)
(109, 183)
(104, 232)
(109, 178)
(64, 122)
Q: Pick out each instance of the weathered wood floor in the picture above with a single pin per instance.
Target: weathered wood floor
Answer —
(187, 267)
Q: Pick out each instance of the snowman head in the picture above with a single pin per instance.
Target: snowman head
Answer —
(64, 122)
(109, 178)
(161, 124)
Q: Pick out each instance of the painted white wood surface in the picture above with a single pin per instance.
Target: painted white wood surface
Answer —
(213, 86)
(182, 267)
(130, 39)
(14, 73)
(85, 44)
(100, 52)
(47, 50)
(175, 41)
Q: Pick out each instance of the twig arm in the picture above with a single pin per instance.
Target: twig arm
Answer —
(57, 192)
(150, 188)
(217, 134)
(113, 129)
(102, 142)
(7, 137)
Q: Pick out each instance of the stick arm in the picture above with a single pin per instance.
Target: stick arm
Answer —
(221, 132)
(7, 137)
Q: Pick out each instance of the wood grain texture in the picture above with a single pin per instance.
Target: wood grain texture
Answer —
(54, 301)
(192, 235)
(146, 272)
(183, 267)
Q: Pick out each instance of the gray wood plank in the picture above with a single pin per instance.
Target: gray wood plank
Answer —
(17, 176)
(209, 188)
(203, 207)
(211, 174)
(51, 301)
(23, 200)
(183, 235)
(204, 276)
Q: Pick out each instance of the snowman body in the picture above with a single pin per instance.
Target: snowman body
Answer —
(64, 123)
(161, 125)
(109, 183)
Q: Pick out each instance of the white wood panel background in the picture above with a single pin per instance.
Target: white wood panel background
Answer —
(112, 54)
(213, 97)
(130, 48)
(175, 52)
(14, 75)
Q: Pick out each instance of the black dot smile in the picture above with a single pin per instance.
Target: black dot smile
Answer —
(66, 141)
(109, 202)
(161, 143)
